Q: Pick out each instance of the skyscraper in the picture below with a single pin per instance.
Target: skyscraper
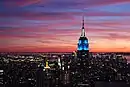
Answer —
(80, 67)
(83, 45)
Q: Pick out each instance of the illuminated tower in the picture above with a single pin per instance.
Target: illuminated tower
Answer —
(83, 45)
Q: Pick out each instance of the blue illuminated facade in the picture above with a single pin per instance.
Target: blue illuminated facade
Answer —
(83, 44)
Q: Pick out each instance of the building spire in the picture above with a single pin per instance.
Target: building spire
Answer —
(83, 23)
(83, 30)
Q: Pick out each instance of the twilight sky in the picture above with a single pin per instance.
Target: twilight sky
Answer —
(55, 25)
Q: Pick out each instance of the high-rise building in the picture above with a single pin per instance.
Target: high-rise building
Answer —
(83, 45)
(1, 78)
(79, 67)
(40, 76)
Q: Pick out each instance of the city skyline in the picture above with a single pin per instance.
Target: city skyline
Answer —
(55, 26)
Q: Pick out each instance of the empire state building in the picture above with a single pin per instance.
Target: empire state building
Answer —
(83, 45)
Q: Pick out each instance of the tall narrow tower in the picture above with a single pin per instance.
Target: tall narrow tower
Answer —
(83, 45)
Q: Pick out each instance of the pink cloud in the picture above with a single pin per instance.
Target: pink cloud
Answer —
(106, 2)
(101, 13)
(37, 49)
(49, 16)
(15, 3)
(111, 36)
(68, 3)
(96, 3)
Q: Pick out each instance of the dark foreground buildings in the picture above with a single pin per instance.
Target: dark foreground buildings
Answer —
(78, 69)
(100, 70)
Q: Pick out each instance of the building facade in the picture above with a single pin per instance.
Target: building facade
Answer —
(83, 44)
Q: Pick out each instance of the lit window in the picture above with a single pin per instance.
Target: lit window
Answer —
(80, 41)
(85, 41)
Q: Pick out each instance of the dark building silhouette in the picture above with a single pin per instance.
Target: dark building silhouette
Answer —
(83, 45)
(40, 77)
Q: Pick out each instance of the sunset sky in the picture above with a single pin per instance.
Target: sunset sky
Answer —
(55, 25)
